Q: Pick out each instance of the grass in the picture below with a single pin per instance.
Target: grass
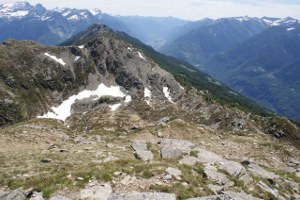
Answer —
(194, 153)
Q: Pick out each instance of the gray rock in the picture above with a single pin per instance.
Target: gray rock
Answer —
(240, 196)
(232, 167)
(189, 160)
(170, 153)
(206, 156)
(142, 196)
(18, 194)
(214, 197)
(168, 177)
(228, 195)
(139, 145)
(160, 134)
(59, 197)
(183, 145)
(173, 148)
(96, 191)
(216, 189)
(261, 172)
(176, 173)
(212, 173)
(144, 155)
(37, 196)
(295, 186)
(267, 189)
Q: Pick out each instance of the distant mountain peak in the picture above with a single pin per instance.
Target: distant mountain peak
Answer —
(279, 21)
(95, 11)
(15, 9)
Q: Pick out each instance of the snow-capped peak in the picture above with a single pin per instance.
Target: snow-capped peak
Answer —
(95, 11)
(279, 21)
(16, 9)
(242, 19)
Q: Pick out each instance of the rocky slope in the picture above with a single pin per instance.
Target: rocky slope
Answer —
(105, 117)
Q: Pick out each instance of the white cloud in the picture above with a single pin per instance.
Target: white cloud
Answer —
(187, 9)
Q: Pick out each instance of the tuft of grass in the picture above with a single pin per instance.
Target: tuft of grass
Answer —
(194, 153)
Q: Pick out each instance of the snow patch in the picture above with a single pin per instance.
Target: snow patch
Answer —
(63, 111)
(242, 19)
(115, 107)
(130, 49)
(166, 91)
(141, 56)
(77, 58)
(181, 87)
(147, 95)
(81, 47)
(290, 29)
(127, 99)
(59, 60)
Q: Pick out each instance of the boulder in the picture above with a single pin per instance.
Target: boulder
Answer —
(173, 148)
(18, 194)
(96, 191)
(228, 195)
(139, 145)
(183, 145)
(216, 189)
(261, 172)
(176, 173)
(59, 197)
(189, 160)
(37, 196)
(142, 196)
(206, 156)
(170, 153)
(144, 155)
(212, 173)
(267, 189)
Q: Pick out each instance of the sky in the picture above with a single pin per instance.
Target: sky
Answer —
(184, 9)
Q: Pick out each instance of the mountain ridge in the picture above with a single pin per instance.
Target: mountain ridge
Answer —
(128, 122)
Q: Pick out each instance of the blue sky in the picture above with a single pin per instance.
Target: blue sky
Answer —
(186, 9)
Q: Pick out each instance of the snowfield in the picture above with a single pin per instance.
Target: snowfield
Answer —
(63, 111)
